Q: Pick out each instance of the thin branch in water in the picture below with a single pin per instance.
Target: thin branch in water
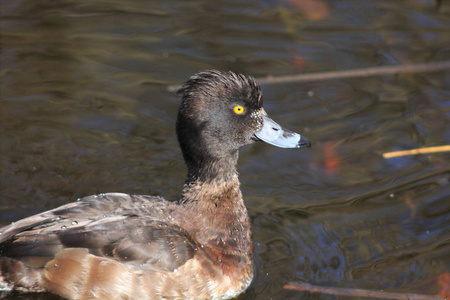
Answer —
(426, 150)
(306, 287)
(383, 70)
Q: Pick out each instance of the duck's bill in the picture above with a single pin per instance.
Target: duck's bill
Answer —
(274, 134)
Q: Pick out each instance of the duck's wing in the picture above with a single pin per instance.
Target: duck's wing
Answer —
(135, 230)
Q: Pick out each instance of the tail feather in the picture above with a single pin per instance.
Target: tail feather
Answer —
(16, 275)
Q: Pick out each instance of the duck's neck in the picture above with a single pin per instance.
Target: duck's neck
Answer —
(211, 169)
(212, 193)
(218, 215)
(212, 181)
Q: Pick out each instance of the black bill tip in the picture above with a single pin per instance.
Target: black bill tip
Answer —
(303, 143)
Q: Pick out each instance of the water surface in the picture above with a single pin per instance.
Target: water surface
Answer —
(85, 109)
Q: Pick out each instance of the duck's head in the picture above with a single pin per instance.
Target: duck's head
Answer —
(221, 112)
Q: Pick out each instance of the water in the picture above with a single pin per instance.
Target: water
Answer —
(85, 110)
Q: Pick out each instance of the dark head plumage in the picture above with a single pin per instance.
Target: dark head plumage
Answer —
(225, 85)
(207, 127)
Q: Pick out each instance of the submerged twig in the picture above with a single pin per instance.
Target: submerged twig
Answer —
(435, 149)
(301, 286)
(383, 70)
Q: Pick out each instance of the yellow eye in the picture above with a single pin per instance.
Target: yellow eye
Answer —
(239, 109)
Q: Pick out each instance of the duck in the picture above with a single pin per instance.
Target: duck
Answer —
(124, 246)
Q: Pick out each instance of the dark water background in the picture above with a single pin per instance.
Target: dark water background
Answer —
(84, 109)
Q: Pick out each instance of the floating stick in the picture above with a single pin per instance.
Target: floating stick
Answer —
(436, 149)
(301, 286)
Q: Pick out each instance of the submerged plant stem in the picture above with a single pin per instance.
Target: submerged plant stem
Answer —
(301, 286)
(383, 70)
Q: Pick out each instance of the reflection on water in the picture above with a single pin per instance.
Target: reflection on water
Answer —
(84, 110)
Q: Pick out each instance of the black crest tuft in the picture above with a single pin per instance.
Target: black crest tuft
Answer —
(215, 84)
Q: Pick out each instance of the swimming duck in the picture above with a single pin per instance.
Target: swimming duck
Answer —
(121, 246)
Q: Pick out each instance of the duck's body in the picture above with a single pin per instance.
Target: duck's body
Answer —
(120, 246)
